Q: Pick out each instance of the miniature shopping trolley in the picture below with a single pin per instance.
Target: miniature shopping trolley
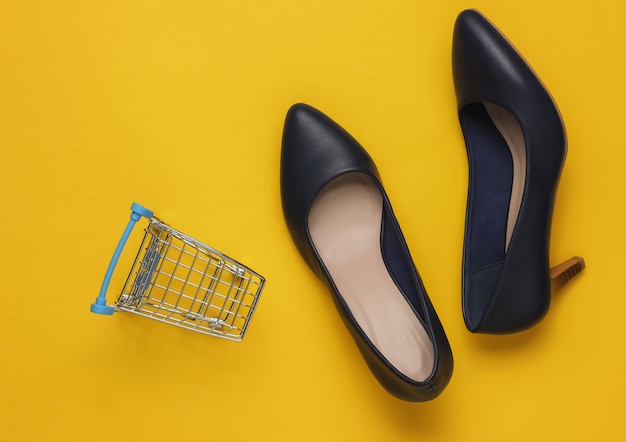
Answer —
(181, 281)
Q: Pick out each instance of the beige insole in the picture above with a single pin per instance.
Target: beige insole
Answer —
(512, 133)
(345, 224)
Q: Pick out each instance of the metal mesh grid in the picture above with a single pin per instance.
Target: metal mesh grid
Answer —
(183, 282)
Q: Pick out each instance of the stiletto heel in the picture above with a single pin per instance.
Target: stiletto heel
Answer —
(562, 273)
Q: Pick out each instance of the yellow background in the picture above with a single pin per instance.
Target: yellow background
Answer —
(179, 106)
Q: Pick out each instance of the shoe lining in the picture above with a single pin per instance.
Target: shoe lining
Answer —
(345, 224)
(489, 193)
(497, 158)
(512, 133)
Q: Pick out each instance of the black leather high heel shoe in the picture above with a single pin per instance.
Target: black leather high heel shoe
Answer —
(516, 147)
(342, 223)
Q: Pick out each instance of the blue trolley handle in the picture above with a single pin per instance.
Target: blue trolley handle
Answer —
(100, 306)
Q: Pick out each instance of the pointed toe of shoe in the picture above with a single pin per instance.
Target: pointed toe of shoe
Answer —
(487, 67)
(314, 145)
(315, 150)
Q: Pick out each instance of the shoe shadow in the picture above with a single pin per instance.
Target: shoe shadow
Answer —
(426, 419)
(509, 342)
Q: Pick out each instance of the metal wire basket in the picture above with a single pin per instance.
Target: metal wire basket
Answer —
(181, 281)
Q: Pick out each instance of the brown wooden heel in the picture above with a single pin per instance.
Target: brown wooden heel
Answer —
(562, 273)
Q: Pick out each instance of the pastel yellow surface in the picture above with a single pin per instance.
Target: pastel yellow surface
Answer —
(179, 106)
